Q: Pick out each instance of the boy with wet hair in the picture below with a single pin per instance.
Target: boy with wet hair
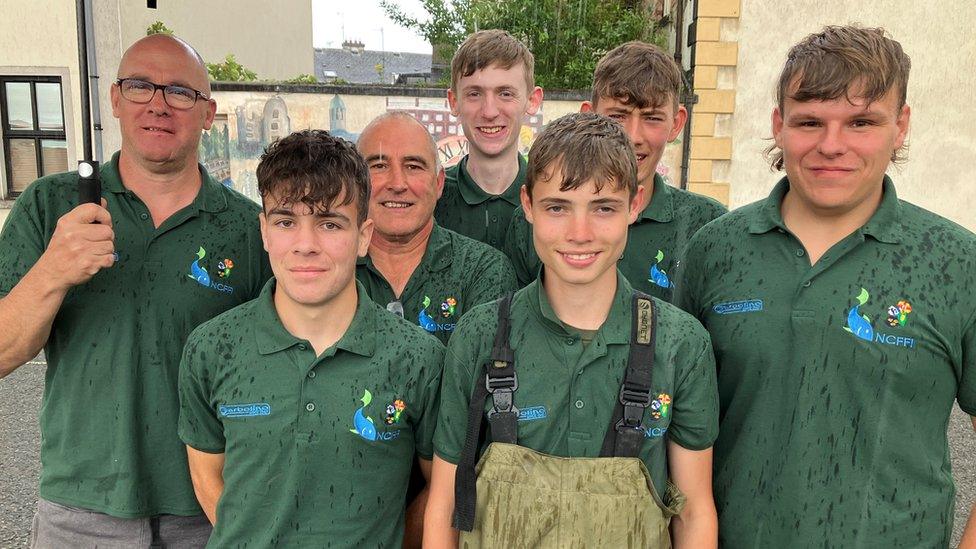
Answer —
(307, 405)
(586, 386)
(842, 319)
(492, 88)
(638, 85)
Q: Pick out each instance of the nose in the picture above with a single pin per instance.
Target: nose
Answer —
(157, 103)
(580, 228)
(489, 108)
(397, 180)
(631, 125)
(306, 242)
(832, 142)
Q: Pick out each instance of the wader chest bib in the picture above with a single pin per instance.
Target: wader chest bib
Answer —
(517, 497)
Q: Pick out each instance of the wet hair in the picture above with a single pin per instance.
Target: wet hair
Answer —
(491, 47)
(316, 169)
(843, 61)
(585, 147)
(409, 118)
(638, 74)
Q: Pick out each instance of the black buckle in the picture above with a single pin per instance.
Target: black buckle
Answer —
(634, 397)
(634, 401)
(502, 391)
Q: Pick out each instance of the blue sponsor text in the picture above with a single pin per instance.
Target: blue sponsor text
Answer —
(245, 410)
(734, 307)
(532, 413)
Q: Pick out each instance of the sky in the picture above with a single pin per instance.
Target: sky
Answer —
(336, 20)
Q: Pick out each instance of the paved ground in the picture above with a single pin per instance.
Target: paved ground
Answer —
(20, 399)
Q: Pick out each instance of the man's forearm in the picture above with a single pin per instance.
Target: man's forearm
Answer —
(414, 529)
(208, 494)
(26, 316)
(695, 528)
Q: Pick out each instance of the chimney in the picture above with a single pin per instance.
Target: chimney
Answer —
(354, 46)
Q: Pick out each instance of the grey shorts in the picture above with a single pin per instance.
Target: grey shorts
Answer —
(58, 526)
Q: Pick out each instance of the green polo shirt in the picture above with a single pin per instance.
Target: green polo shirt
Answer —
(466, 208)
(567, 391)
(836, 380)
(108, 420)
(455, 274)
(317, 449)
(655, 241)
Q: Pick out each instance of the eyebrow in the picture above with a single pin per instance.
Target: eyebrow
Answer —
(181, 83)
(328, 214)
(409, 158)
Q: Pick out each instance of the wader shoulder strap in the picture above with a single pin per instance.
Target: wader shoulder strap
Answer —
(626, 431)
(500, 382)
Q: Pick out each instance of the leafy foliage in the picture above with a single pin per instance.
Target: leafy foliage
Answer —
(303, 79)
(158, 28)
(567, 37)
(230, 71)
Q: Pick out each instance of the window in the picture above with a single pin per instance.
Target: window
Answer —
(32, 125)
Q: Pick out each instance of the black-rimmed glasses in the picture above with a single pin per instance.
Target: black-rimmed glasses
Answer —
(141, 91)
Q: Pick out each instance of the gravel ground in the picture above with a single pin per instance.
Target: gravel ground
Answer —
(20, 400)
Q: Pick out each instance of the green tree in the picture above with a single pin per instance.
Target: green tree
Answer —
(567, 37)
(158, 28)
(230, 71)
(303, 79)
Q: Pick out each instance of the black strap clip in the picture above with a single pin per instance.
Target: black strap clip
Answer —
(634, 402)
(502, 391)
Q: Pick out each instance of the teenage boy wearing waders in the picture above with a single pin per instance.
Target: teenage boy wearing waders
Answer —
(597, 404)
(638, 85)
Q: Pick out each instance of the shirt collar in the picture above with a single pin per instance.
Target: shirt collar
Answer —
(884, 224)
(211, 197)
(474, 195)
(272, 337)
(661, 206)
(615, 329)
(437, 257)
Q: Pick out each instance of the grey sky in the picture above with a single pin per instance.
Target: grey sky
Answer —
(336, 20)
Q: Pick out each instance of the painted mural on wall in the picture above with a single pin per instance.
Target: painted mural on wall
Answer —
(248, 122)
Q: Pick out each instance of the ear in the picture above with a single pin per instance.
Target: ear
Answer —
(635, 205)
(526, 201)
(586, 106)
(264, 229)
(903, 122)
(116, 95)
(535, 101)
(777, 122)
(439, 182)
(211, 112)
(365, 236)
(680, 118)
(452, 102)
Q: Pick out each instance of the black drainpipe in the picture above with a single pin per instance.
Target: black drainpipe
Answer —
(689, 98)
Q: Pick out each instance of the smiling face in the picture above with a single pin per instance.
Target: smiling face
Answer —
(579, 234)
(404, 177)
(835, 152)
(155, 134)
(649, 129)
(313, 254)
(490, 104)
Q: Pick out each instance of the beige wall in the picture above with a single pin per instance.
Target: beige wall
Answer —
(26, 51)
(274, 39)
(937, 35)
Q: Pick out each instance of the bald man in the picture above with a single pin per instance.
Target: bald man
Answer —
(111, 292)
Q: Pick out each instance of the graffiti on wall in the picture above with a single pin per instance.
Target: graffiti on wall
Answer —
(244, 126)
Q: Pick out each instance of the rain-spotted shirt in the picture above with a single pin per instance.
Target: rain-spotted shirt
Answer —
(108, 419)
(836, 379)
(567, 391)
(317, 449)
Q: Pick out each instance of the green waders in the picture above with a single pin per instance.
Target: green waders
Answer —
(523, 498)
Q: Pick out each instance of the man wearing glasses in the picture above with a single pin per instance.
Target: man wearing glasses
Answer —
(110, 292)
(418, 269)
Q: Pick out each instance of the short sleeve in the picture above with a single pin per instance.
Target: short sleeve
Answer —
(967, 385)
(520, 249)
(199, 426)
(21, 243)
(426, 421)
(694, 423)
(456, 386)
